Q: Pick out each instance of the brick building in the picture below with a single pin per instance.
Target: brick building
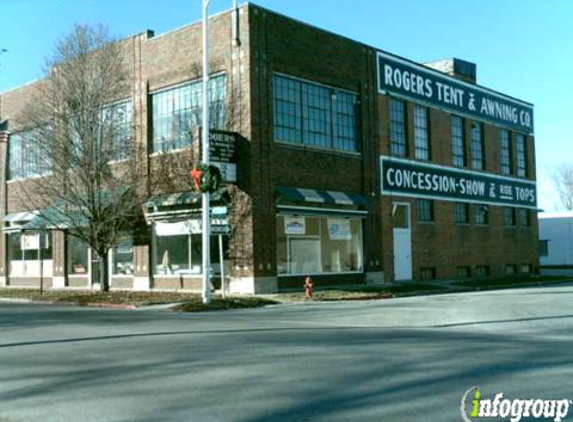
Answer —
(353, 165)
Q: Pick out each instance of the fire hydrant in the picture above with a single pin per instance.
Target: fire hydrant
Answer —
(308, 287)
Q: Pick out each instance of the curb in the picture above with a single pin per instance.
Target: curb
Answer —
(107, 305)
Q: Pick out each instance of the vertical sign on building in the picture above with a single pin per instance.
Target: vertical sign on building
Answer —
(222, 153)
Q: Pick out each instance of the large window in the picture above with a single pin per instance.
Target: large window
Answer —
(523, 217)
(26, 158)
(505, 156)
(461, 212)
(78, 256)
(24, 252)
(120, 117)
(509, 216)
(177, 112)
(482, 215)
(312, 114)
(543, 247)
(398, 140)
(425, 210)
(177, 249)
(458, 142)
(421, 133)
(122, 258)
(317, 245)
(178, 254)
(478, 161)
(521, 151)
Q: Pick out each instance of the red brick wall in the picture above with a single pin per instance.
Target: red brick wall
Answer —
(285, 46)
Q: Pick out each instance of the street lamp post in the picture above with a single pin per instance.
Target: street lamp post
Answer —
(206, 232)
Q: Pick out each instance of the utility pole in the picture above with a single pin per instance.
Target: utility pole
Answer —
(206, 232)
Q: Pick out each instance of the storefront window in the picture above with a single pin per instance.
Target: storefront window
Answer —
(122, 257)
(177, 249)
(25, 250)
(317, 245)
(178, 254)
(78, 256)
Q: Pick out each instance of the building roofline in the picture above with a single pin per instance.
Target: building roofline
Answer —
(376, 49)
(22, 85)
(197, 22)
(326, 31)
(555, 215)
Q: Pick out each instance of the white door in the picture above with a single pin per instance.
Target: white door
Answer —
(402, 234)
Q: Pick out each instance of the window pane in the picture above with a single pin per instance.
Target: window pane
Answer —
(344, 121)
(304, 255)
(122, 258)
(24, 253)
(121, 127)
(524, 217)
(319, 245)
(28, 156)
(425, 210)
(340, 242)
(421, 136)
(458, 143)
(288, 109)
(177, 113)
(172, 254)
(77, 256)
(397, 128)
(509, 216)
(505, 152)
(521, 155)
(314, 114)
(477, 146)
(481, 214)
(461, 214)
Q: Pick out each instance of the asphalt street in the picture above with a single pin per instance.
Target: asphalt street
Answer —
(406, 359)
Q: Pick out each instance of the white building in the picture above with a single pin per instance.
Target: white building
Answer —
(556, 238)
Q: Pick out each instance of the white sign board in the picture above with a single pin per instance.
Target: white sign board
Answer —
(339, 229)
(30, 242)
(295, 225)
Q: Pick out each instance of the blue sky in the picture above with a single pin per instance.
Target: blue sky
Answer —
(523, 48)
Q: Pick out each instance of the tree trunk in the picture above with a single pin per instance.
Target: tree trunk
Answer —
(103, 274)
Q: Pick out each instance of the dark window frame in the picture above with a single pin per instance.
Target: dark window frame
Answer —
(315, 115)
(425, 211)
(458, 138)
(461, 218)
(422, 141)
(481, 215)
(398, 128)
(509, 217)
(521, 154)
(505, 153)
(477, 145)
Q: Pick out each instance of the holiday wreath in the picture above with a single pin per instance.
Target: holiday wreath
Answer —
(206, 178)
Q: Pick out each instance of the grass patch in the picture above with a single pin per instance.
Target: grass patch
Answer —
(361, 292)
(218, 304)
(511, 281)
(115, 297)
(189, 302)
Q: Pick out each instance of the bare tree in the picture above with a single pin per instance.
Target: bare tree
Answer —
(82, 133)
(563, 179)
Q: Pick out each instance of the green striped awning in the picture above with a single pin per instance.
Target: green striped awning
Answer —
(51, 218)
(191, 199)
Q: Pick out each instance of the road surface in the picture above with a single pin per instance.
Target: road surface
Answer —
(406, 359)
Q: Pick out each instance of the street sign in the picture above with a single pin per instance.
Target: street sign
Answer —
(220, 229)
(222, 153)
